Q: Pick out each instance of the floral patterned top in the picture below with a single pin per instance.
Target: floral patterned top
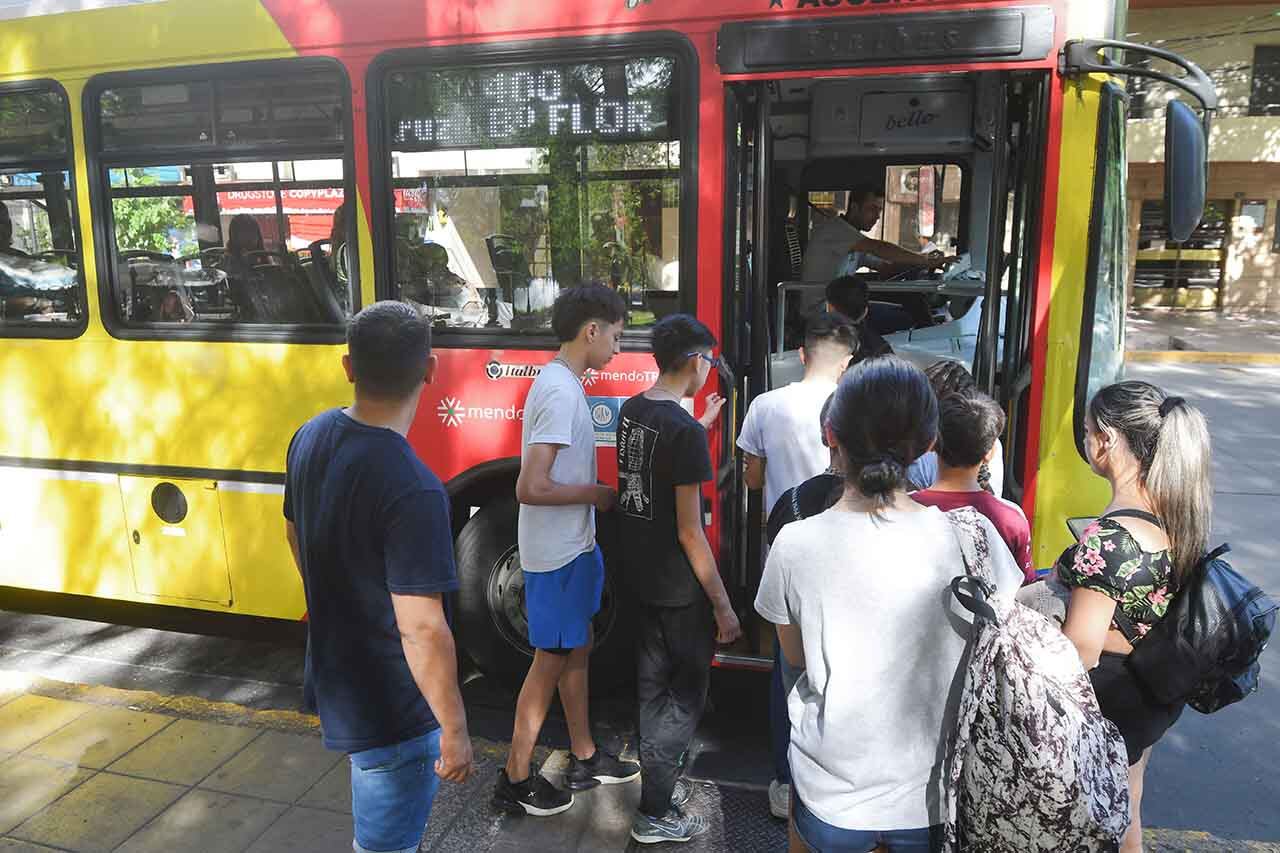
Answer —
(1109, 560)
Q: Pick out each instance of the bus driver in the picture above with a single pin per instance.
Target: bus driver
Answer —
(837, 246)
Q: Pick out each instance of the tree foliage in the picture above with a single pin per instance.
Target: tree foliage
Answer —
(145, 223)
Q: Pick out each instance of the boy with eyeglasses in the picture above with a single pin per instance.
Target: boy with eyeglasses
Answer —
(663, 464)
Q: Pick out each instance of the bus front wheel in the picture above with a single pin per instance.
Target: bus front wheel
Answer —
(492, 623)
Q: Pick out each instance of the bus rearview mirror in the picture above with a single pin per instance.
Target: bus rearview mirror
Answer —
(1184, 170)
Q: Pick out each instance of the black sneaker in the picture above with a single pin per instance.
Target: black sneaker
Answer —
(601, 768)
(681, 793)
(675, 825)
(535, 796)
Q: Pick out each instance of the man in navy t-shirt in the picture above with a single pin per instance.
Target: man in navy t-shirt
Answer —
(368, 523)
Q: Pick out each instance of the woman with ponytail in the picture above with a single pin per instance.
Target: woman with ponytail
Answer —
(1129, 564)
(859, 595)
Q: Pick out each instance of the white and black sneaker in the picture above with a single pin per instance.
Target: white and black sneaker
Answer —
(535, 796)
(600, 769)
(675, 825)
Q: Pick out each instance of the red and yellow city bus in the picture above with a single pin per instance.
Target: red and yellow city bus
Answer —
(198, 195)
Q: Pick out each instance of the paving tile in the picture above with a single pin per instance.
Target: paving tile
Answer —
(185, 752)
(99, 737)
(9, 845)
(27, 719)
(276, 766)
(100, 814)
(303, 830)
(223, 824)
(332, 792)
(27, 785)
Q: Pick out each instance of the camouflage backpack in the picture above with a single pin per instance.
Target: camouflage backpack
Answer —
(1034, 767)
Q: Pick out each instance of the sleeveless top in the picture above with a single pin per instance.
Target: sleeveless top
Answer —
(1107, 559)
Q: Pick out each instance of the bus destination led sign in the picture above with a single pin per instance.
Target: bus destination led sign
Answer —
(526, 105)
(1007, 34)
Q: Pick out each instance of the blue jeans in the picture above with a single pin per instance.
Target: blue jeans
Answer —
(391, 792)
(822, 837)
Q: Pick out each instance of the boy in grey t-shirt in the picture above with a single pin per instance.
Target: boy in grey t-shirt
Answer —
(563, 567)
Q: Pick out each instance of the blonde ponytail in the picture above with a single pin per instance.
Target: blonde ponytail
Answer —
(1170, 439)
(1179, 484)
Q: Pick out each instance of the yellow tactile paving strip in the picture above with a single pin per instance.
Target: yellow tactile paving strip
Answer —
(1181, 356)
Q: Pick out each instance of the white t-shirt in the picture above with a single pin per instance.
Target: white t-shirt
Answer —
(827, 254)
(783, 427)
(828, 247)
(556, 412)
(924, 471)
(883, 640)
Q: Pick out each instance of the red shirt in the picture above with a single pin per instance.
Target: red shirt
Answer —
(1007, 518)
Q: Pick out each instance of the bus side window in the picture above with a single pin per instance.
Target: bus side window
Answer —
(513, 181)
(250, 229)
(41, 289)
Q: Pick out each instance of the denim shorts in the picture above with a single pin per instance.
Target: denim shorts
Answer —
(822, 837)
(391, 792)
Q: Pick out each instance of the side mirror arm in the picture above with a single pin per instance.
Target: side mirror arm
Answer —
(1084, 56)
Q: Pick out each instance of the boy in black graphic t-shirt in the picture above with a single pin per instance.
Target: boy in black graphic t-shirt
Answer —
(663, 462)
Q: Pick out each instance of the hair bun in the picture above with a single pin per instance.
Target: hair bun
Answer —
(880, 476)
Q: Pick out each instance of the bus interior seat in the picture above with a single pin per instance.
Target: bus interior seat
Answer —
(506, 254)
(322, 281)
(280, 296)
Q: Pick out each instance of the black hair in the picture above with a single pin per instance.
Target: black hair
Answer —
(578, 306)
(829, 328)
(863, 190)
(677, 335)
(884, 417)
(389, 344)
(950, 377)
(968, 426)
(850, 295)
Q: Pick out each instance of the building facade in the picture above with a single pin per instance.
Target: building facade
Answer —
(1232, 262)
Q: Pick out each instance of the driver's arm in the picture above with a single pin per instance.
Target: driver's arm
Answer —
(897, 255)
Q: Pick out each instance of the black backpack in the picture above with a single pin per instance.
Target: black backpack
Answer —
(1205, 650)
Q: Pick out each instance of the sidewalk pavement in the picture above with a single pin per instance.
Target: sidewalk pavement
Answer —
(1166, 335)
(86, 768)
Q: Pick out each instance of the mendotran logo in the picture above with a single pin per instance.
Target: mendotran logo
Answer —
(452, 412)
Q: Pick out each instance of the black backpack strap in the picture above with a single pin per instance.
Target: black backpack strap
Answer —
(1143, 515)
(1125, 624)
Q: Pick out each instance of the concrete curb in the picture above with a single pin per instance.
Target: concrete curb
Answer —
(1261, 359)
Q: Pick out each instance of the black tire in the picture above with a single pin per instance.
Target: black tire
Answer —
(491, 624)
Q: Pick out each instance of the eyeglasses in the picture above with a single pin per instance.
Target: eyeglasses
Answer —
(712, 360)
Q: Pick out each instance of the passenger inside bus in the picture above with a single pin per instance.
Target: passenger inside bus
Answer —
(6, 234)
(20, 304)
(424, 277)
(244, 235)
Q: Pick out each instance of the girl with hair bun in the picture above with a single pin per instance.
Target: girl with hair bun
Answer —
(1129, 564)
(859, 594)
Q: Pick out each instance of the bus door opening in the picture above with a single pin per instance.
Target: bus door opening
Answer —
(954, 163)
